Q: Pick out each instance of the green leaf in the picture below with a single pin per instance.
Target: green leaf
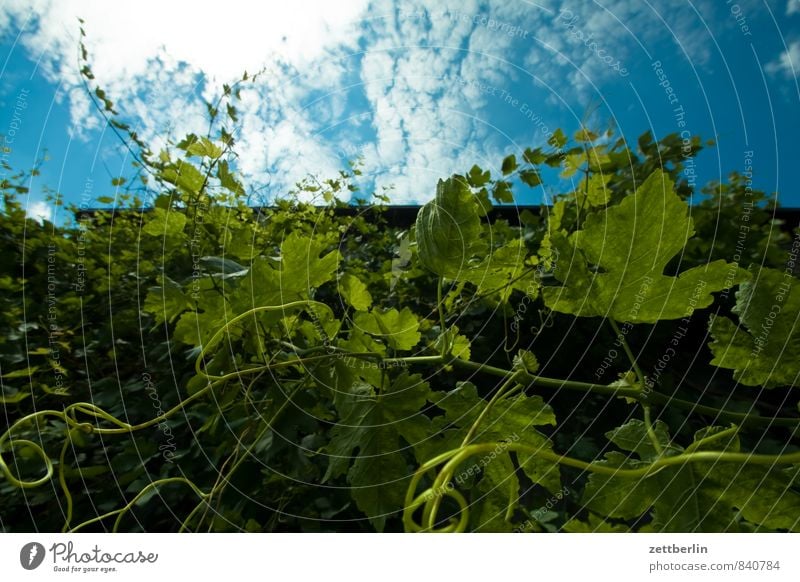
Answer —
(710, 496)
(558, 139)
(525, 360)
(243, 243)
(535, 156)
(355, 292)
(502, 192)
(630, 245)
(593, 525)
(497, 488)
(509, 164)
(196, 328)
(167, 302)
(508, 420)
(530, 177)
(764, 350)
(228, 180)
(597, 193)
(504, 270)
(184, 175)
(165, 223)
(572, 164)
(223, 266)
(15, 398)
(448, 229)
(204, 148)
(303, 266)
(698, 496)
(477, 177)
(632, 437)
(380, 426)
(620, 497)
(21, 373)
(459, 344)
(398, 328)
(584, 135)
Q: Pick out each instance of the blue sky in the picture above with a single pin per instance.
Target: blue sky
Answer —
(420, 89)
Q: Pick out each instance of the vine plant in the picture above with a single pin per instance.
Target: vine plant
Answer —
(303, 357)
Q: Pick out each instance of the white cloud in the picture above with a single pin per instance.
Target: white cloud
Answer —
(792, 7)
(414, 86)
(153, 58)
(40, 211)
(787, 62)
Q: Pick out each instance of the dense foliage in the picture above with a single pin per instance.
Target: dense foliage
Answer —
(624, 361)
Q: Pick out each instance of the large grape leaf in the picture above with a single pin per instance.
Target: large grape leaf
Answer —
(302, 264)
(505, 269)
(167, 301)
(399, 329)
(165, 223)
(614, 266)
(448, 229)
(511, 420)
(379, 426)
(355, 292)
(453, 243)
(708, 497)
(765, 349)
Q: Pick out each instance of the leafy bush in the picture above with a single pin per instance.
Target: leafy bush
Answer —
(201, 365)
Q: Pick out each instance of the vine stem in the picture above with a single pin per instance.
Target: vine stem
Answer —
(70, 417)
(627, 349)
(651, 432)
(653, 397)
(440, 308)
(504, 389)
(222, 483)
(451, 460)
(648, 423)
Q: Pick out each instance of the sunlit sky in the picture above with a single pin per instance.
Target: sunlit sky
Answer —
(420, 89)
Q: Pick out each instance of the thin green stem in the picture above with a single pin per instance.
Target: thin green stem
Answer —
(652, 397)
(504, 388)
(451, 460)
(440, 308)
(628, 352)
(651, 432)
